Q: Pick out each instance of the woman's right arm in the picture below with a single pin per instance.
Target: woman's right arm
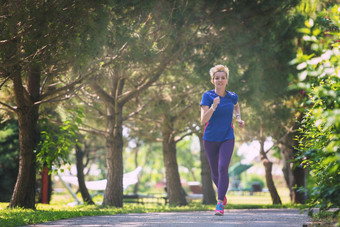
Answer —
(206, 114)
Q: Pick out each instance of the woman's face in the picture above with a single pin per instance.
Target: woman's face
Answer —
(220, 79)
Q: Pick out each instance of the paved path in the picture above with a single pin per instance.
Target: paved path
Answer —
(238, 217)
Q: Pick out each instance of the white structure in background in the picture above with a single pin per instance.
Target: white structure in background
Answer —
(251, 155)
(251, 151)
(129, 178)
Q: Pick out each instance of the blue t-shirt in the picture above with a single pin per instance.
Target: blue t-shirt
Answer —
(220, 127)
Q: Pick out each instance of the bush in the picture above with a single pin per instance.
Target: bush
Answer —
(319, 143)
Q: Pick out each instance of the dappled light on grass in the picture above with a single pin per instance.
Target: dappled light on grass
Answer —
(258, 198)
(44, 213)
(58, 209)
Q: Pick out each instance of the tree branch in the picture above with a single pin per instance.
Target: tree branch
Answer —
(183, 136)
(9, 108)
(124, 98)
(266, 152)
(45, 80)
(5, 80)
(91, 106)
(52, 100)
(130, 94)
(136, 112)
(89, 129)
(109, 100)
(111, 59)
(68, 86)
(281, 139)
(93, 131)
(68, 94)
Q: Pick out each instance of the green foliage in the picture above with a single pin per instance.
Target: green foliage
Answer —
(188, 160)
(9, 158)
(57, 141)
(52, 32)
(326, 219)
(319, 77)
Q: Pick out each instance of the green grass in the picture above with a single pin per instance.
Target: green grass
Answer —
(44, 213)
(58, 208)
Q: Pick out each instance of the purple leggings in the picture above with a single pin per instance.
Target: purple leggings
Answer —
(219, 155)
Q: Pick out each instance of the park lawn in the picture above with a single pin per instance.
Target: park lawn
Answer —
(44, 213)
(258, 198)
(58, 209)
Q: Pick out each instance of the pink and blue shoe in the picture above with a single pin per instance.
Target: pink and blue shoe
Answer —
(219, 209)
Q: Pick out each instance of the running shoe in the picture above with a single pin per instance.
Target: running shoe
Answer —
(219, 209)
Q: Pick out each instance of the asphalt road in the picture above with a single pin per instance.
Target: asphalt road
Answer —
(237, 217)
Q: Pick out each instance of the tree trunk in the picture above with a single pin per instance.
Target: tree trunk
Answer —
(209, 196)
(287, 157)
(299, 181)
(113, 195)
(24, 190)
(299, 174)
(80, 175)
(268, 170)
(270, 183)
(295, 176)
(176, 193)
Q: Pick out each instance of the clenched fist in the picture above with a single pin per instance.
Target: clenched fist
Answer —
(240, 123)
(216, 102)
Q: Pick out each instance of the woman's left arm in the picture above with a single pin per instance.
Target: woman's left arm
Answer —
(238, 115)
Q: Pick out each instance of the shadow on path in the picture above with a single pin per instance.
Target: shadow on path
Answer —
(242, 217)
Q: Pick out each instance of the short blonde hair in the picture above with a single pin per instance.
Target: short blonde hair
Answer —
(218, 68)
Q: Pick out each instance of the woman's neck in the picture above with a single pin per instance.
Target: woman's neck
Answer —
(220, 92)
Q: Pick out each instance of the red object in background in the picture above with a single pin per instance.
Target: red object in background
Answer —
(44, 185)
